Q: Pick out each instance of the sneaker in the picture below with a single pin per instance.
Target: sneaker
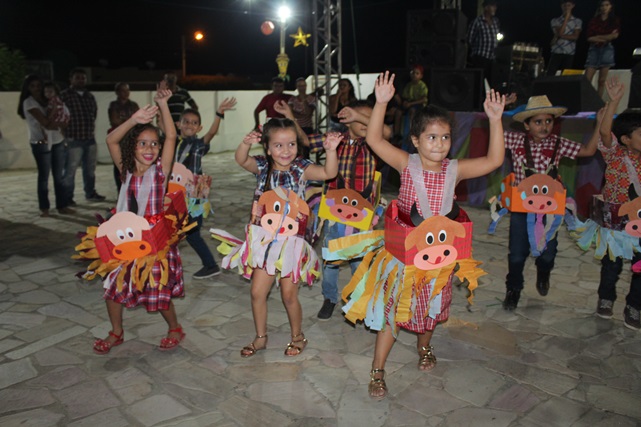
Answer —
(326, 310)
(95, 197)
(631, 318)
(207, 272)
(511, 299)
(604, 308)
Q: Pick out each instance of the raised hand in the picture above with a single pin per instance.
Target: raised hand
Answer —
(332, 139)
(227, 104)
(145, 115)
(615, 88)
(347, 115)
(384, 87)
(252, 138)
(494, 105)
(283, 108)
(163, 94)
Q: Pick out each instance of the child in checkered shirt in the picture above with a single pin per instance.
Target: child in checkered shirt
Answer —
(390, 305)
(539, 150)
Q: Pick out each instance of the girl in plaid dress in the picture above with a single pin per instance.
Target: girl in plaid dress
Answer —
(264, 257)
(386, 293)
(135, 147)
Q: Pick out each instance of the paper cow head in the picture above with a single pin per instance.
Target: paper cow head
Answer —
(281, 210)
(129, 235)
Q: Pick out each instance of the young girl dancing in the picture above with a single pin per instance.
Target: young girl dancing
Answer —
(135, 147)
(266, 255)
(386, 293)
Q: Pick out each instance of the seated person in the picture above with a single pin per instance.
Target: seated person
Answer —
(413, 97)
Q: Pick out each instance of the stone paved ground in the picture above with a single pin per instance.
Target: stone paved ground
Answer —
(550, 363)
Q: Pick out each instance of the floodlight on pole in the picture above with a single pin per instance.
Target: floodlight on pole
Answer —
(282, 60)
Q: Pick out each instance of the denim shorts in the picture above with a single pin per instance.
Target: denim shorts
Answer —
(600, 56)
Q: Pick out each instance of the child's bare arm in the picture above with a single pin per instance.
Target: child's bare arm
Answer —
(590, 148)
(471, 168)
(169, 146)
(242, 156)
(393, 156)
(283, 108)
(227, 104)
(330, 169)
(615, 90)
(350, 115)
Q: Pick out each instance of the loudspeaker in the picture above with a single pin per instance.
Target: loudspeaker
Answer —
(437, 53)
(427, 25)
(456, 90)
(436, 38)
(573, 92)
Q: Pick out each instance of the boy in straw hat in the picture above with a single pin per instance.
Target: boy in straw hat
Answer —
(538, 149)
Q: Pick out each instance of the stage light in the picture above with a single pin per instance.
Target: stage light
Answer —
(284, 13)
(499, 36)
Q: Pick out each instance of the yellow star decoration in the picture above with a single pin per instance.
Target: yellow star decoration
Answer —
(300, 37)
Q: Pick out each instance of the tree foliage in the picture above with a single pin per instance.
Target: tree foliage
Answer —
(12, 68)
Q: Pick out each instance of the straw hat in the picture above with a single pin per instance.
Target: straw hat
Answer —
(539, 105)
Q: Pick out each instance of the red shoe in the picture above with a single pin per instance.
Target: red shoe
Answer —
(103, 346)
(169, 343)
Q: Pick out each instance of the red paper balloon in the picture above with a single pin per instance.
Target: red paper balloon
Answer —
(267, 27)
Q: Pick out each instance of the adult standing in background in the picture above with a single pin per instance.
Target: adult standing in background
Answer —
(119, 111)
(179, 97)
(47, 143)
(482, 37)
(602, 29)
(303, 106)
(266, 104)
(80, 136)
(566, 29)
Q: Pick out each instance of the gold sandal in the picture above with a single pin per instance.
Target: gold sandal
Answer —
(250, 350)
(426, 361)
(376, 385)
(292, 345)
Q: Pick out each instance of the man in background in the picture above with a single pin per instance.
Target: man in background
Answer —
(80, 136)
(566, 29)
(179, 97)
(482, 39)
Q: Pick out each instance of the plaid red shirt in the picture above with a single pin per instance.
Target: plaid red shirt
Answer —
(541, 152)
(83, 110)
(617, 180)
(356, 162)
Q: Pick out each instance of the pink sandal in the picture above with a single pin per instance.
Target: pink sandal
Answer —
(101, 346)
(169, 343)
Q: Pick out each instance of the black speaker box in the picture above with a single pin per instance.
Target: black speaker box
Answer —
(456, 90)
(437, 53)
(574, 92)
(426, 25)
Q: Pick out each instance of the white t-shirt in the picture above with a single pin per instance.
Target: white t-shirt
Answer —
(36, 131)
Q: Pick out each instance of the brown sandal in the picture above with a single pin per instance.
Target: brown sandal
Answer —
(292, 345)
(427, 360)
(376, 385)
(251, 349)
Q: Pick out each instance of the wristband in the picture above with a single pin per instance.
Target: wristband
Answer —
(221, 115)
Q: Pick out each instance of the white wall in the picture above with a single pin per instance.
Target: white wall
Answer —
(15, 152)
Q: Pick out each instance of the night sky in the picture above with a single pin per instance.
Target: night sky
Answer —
(147, 33)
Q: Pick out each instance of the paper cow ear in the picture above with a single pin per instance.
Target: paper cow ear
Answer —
(632, 193)
(416, 217)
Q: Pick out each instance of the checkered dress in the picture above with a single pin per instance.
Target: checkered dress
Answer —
(152, 298)
(435, 183)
